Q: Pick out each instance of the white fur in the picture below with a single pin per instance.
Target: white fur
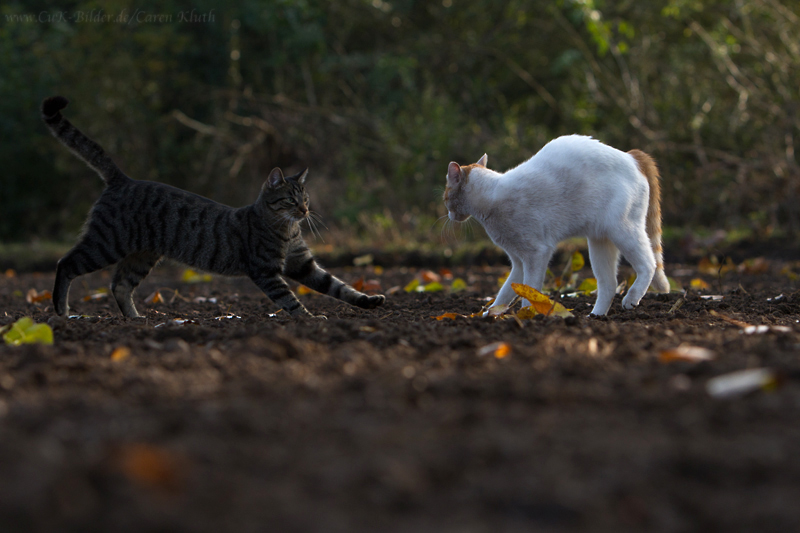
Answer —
(574, 186)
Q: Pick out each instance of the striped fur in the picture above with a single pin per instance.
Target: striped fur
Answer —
(137, 223)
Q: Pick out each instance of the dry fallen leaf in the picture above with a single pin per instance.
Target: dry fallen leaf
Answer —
(451, 316)
(577, 261)
(151, 466)
(499, 349)
(120, 354)
(429, 276)
(98, 294)
(371, 286)
(698, 284)
(358, 284)
(302, 290)
(742, 382)
(686, 352)
(10, 273)
(446, 273)
(757, 265)
(154, 298)
(34, 297)
(540, 303)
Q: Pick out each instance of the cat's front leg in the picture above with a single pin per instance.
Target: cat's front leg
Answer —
(300, 266)
(279, 292)
(535, 265)
(507, 294)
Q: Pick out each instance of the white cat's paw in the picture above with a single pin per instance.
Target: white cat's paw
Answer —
(628, 305)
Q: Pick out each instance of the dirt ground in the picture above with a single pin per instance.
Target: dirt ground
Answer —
(390, 420)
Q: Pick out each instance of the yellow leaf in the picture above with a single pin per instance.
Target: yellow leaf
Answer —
(302, 290)
(451, 316)
(25, 331)
(577, 261)
(412, 285)
(540, 303)
(787, 271)
(120, 354)
(588, 285)
(190, 276)
(502, 279)
(698, 284)
(458, 285)
(102, 292)
(377, 270)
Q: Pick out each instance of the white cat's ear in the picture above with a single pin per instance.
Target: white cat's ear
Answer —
(454, 174)
(483, 161)
(302, 178)
(275, 178)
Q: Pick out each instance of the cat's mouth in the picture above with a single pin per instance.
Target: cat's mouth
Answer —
(457, 217)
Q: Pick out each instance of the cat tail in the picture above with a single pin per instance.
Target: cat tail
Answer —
(648, 167)
(78, 143)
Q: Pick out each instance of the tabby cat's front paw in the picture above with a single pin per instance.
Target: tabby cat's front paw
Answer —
(371, 302)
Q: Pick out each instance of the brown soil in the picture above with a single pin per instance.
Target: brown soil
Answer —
(389, 420)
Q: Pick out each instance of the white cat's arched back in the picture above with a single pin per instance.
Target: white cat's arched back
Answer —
(574, 186)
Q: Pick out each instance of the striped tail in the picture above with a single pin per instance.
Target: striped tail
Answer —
(647, 166)
(81, 145)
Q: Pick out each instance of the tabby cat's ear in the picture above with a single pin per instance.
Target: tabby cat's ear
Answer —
(302, 179)
(454, 174)
(275, 178)
(483, 160)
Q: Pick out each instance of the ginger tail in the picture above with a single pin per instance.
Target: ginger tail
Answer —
(647, 166)
(78, 143)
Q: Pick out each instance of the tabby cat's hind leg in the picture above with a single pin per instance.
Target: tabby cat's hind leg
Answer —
(129, 273)
(84, 258)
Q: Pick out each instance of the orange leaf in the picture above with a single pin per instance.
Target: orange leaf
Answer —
(151, 466)
(154, 298)
(686, 352)
(497, 349)
(359, 284)
(34, 297)
(451, 316)
(372, 285)
(10, 273)
(120, 354)
(446, 273)
(429, 276)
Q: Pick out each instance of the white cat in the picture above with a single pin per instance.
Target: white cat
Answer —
(574, 186)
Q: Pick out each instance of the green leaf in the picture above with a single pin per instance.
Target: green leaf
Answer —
(433, 286)
(25, 331)
(458, 285)
(412, 285)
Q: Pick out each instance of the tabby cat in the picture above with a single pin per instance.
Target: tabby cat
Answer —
(574, 186)
(136, 223)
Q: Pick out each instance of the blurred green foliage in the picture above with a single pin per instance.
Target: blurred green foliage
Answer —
(377, 97)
